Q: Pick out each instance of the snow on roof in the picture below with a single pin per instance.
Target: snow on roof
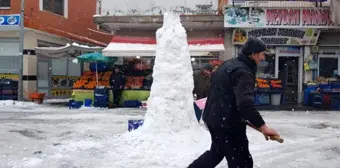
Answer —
(146, 46)
(64, 51)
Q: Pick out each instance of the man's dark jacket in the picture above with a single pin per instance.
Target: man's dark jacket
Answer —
(231, 101)
(117, 80)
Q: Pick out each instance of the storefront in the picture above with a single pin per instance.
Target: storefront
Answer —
(289, 33)
(9, 46)
(57, 72)
(135, 57)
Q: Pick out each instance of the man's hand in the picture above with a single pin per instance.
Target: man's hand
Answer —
(268, 132)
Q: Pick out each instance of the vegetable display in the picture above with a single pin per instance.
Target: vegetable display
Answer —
(88, 80)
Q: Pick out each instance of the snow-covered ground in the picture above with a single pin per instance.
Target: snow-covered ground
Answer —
(33, 136)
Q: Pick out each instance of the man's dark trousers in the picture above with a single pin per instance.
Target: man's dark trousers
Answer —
(117, 94)
(232, 146)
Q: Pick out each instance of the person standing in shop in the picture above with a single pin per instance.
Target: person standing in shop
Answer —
(117, 82)
(201, 86)
(202, 81)
(230, 105)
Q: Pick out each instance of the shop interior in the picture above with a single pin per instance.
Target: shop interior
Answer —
(288, 73)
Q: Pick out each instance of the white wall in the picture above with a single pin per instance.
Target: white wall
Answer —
(144, 7)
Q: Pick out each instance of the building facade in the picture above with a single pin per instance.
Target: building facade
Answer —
(48, 23)
(304, 42)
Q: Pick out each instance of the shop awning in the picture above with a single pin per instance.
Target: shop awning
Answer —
(65, 51)
(133, 46)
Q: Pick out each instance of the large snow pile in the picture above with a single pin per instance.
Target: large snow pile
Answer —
(170, 105)
(170, 131)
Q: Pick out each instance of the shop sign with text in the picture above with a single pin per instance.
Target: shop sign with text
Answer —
(278, 36)
(278, 17)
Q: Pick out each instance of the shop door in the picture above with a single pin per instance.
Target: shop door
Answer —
(44, 80)
(288, 72)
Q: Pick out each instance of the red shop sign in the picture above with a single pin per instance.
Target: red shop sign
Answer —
(298, 17)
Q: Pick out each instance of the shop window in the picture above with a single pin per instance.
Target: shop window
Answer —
(59, 66)
(266, 68)
(73, 69)
(55, 6)
(5, 4)
(327, 66)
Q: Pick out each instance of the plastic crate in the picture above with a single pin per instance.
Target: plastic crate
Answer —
(134, 124)
(102, 67)
(101, 90)
(101, 104)
(9, 97)
(263, 99)
(335, 103)
(9, 92)
(75, 104)
(132, 103)
(307, 91)
(88, 102)
(101, 98)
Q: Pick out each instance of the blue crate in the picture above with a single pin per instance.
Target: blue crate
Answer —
(335, 103)
(325, 86)
(9, 97)
(101, 104)
(101, 98)
(87, 102)
(262, 99)
(102, 67)
(75, 104)
(134, 124)
(307, 91)
(132, 103)
(101, 90)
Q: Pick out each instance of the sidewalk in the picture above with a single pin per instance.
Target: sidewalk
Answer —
(289, 107)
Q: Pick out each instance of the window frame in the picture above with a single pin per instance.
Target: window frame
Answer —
(6, 7)
(328, 56)
(41, 7)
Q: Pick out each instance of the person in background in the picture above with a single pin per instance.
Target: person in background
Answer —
(201, 86)
(202, 81)
(117, 82)
(230, 106)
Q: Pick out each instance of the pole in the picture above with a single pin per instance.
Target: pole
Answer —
(21, 52)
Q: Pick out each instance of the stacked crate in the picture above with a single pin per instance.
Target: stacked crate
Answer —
(8, 89)
(101, 97)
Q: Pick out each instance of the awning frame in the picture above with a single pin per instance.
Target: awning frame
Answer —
(65, 51)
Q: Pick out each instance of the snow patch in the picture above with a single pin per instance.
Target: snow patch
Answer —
(7, 104)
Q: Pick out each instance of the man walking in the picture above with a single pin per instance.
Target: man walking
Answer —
(229, 106)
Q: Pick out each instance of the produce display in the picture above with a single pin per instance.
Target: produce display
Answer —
(276, 84)
(262, 83)
(88, 80)
(268, 83)
(134, 82)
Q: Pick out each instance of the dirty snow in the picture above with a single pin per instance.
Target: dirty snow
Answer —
(89, 137)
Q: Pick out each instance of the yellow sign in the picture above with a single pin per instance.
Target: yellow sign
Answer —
(62, 81)
(9, 76)
(62, 92)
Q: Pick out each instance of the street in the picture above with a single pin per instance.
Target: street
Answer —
(59, 137)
